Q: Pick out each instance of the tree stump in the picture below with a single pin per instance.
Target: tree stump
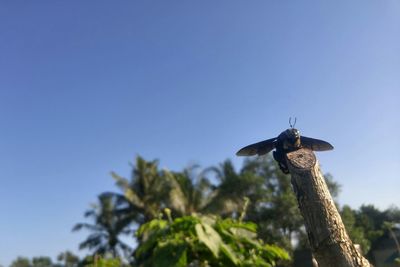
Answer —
(330, 244)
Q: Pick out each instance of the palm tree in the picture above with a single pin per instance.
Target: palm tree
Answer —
(105, 229)
(190, 191)
(233, 188)
(227, 199)
(144, 195)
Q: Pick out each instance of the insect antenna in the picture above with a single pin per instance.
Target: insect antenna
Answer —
(290, 122)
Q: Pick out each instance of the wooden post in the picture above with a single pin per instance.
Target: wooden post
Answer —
(330, 244)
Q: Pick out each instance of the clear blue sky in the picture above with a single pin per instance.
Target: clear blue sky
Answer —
(87, 85)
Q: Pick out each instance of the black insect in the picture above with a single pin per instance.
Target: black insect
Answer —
(288, 141)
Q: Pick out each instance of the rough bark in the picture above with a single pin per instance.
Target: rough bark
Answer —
(329, 241)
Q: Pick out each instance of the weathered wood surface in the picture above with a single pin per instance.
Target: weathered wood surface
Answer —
(329, 241)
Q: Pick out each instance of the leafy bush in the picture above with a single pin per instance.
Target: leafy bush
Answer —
(200, 240)
(98, 261)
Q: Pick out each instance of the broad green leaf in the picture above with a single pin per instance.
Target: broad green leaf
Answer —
(209, 237)
(244, 233)
(208, 219)
(230, 254)
(150, 233)
(171, 254)
(228, 223)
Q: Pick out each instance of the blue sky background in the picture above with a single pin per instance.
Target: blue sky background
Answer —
(87, 85)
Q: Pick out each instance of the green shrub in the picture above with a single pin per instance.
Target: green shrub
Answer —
(200, 240)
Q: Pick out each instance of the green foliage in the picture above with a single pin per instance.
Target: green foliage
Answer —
(105, 230)
(21, 262)
(41, 262)
(367, 225)
(68, 259)
(145, 194)
(259, 188)
(205, 241)
(97, 261)
(356, 232)
(271, 204)
(191, 191)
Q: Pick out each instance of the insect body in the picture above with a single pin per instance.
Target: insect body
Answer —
(288, 141)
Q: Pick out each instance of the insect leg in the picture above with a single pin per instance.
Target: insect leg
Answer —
(280, 159)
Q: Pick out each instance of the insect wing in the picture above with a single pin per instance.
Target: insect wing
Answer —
(315, 144)
(259, 148)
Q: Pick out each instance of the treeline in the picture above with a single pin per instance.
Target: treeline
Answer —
(258, 193)
(64, 259)
(67, 259)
